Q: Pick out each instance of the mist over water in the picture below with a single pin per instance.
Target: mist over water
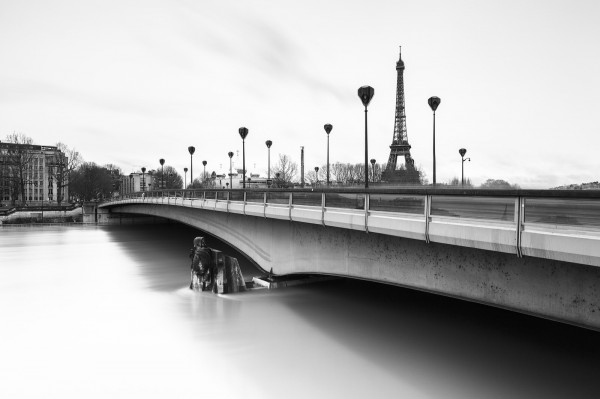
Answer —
(101, 312)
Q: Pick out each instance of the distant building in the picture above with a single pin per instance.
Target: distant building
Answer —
(583, 186)
(32, 175)
(253, 179)
(137, 181)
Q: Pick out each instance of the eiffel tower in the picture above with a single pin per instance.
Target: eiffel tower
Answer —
(400, 146)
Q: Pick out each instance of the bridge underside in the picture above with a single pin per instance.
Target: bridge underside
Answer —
(557, 290)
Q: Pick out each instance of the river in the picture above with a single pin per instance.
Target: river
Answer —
(105, 312)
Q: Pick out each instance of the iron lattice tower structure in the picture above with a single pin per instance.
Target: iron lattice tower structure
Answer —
(400, 146)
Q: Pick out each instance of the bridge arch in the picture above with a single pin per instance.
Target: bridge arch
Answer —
(528, 285)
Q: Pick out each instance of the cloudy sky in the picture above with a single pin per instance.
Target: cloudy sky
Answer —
(129, 82)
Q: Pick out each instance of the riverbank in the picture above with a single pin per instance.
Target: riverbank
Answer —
(38, 215)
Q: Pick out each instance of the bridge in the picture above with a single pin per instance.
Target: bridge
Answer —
(532, 251)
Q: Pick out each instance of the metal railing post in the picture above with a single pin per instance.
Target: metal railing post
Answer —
(290, 205)
(244, 206)
(520, 205)
(427, 216)
(367, 198)
(323, 209)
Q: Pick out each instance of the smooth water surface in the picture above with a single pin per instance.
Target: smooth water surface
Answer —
(105, 312)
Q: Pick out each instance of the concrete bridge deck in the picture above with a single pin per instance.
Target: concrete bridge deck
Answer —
(532, 251)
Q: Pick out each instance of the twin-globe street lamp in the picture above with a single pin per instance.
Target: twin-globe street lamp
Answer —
(365, 93)
(191, 149)
(243, 133)
(434, 102)
(328, 128)
(462, 153)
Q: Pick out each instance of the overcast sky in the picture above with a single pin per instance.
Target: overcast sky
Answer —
(128, 82)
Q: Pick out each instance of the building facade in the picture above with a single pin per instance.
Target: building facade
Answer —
(32, 175)
(138, 182)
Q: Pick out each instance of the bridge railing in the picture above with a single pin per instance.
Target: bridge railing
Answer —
(563, 225)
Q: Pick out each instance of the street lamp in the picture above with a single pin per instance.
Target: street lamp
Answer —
(162, 173)
(462, 153)
(366, 94)
(269, 143)
(204, 173)
(317, 175)
(434, 102)
(328, 128)
(191, 149)
(131, 182)
(143, 179)
(243, 133)
(185, 175)
(230, 153)
(373, 168)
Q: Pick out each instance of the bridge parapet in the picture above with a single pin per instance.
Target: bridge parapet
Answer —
(559, 225)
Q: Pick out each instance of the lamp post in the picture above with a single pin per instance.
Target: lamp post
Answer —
(328, 128)
(373, 168)
(243, 133)
(185, 174)
(230, 153)
(204, 173)
(462, 153)
(317, 175)
(191, 149)
(269, 143)
(162, 173)
(143, 184)
(434, 102)
(131, 182)
(365, 93)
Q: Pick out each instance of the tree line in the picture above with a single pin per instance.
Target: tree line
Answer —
(88, 181)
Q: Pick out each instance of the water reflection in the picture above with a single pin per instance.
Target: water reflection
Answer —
(101, 312)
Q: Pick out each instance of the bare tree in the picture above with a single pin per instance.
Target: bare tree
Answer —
(196, 184)
(18, 161)
(90, 181)
(498, 184)
(286, 168)
(338, 172)
(171, 179)
(61, 166)
(116, 176)
(455, 181)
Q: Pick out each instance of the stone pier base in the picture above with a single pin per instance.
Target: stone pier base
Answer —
(229, 276)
